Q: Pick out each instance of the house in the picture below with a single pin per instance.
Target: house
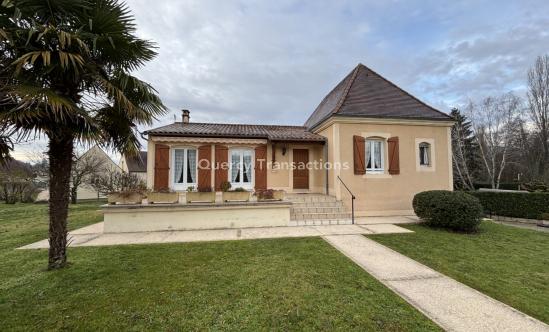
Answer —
(95, 157)
(367, 137)
(135, 165)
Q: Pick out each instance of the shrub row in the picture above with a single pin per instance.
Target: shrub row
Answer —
(448, 209)
(514, 204)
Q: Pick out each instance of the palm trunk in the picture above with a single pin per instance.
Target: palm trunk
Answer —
(60, 155)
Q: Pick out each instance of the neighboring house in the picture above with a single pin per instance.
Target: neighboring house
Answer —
(393, 144)
(85, 190)
(136, 165)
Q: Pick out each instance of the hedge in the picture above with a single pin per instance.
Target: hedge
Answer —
(448, 209)
(514, 204)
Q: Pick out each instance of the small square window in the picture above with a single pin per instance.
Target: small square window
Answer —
(424, 154)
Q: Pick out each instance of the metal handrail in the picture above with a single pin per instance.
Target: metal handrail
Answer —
(352, 200)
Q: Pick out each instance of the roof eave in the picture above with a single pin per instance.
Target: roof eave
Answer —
(337, 115)
(320, 139)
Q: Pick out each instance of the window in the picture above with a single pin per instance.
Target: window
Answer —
(424, 154)
(241, 171)
(374, 155)
(184, 166)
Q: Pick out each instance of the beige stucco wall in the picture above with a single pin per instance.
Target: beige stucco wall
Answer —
(328, 133)
(123, 165)
(187, 217)
(385, 194)
(277, 178)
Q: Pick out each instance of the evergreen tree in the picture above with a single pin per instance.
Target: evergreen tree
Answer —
(465, 157)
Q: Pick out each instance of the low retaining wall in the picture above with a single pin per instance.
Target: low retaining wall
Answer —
(148, 218)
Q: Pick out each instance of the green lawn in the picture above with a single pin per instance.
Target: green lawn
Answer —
(287, 284)
(507, 263)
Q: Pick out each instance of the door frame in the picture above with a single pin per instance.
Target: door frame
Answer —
(291, 173)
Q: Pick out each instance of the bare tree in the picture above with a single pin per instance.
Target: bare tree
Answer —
(17, 182)
(85, 168)
(526, 152)
(494, 121)
(113, 180)
(538, 105)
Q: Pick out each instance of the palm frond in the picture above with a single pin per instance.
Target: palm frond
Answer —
(135, 97)
(117, 130)
(65, 69)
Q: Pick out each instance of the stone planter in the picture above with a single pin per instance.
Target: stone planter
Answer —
(160, 197)
(235, 196)
(203, 197)
(125, 198)
(278, 195)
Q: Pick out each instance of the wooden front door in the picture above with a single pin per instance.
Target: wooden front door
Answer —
(301, 172)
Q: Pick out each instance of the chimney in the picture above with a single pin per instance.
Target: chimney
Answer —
(186, 116)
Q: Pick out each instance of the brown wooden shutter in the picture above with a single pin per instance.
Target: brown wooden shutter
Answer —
(358, 154)
(161, 167)
(221, 165)
(394, 163)
(204, 167)
(261, 167)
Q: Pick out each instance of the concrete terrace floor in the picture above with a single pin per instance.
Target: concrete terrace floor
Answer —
(93, 235)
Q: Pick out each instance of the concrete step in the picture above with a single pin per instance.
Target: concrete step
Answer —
(319, 222)
(320, 215)
(310, 198)
(316, 204)
(317, 209)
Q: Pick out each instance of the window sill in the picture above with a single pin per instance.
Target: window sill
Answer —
(377, 175)
(425, 168)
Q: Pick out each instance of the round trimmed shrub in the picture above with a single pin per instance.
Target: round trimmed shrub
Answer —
(454, 210)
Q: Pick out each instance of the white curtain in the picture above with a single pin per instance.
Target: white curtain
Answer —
(235, 166)
(247, 158)
(368, 155)
(377, 155)
(179, 158)
(191, 169)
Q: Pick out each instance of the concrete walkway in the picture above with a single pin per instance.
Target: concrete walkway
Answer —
(93, 235)
(452, 305)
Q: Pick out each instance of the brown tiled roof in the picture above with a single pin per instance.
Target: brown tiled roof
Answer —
(270, 132)
(364, 93)
(137, 163)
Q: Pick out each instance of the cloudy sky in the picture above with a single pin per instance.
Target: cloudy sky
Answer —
(273, 61)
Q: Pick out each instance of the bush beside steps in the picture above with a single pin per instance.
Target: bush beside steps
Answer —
(453, 210)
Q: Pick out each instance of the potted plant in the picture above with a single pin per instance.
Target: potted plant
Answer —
(134, 196)
(237, 195)
(203, 195)
(162, 196)
(269, 195)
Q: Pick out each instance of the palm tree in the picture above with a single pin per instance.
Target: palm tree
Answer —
(65, 74)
